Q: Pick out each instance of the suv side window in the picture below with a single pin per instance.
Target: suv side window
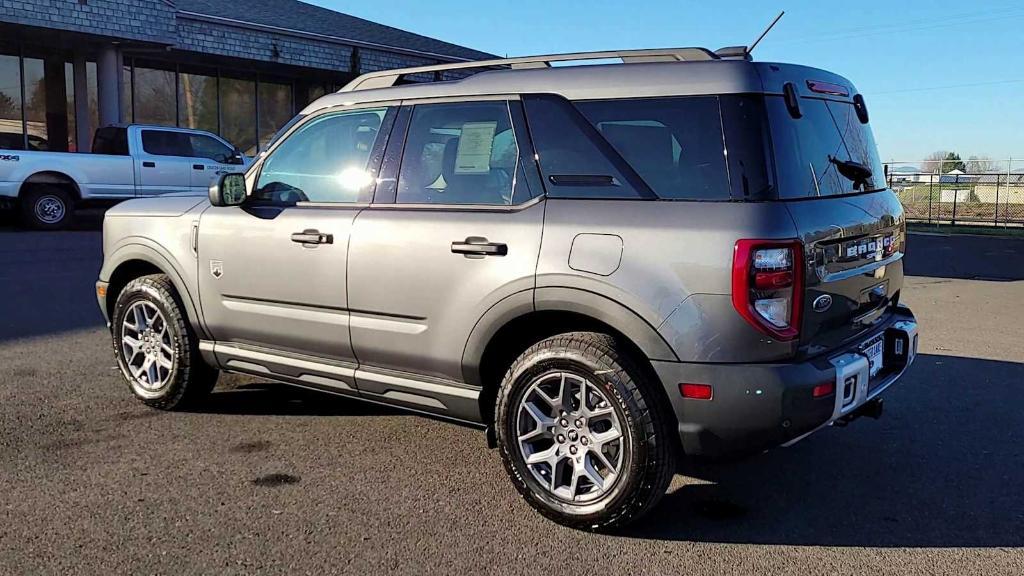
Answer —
(574, 160)
(461, 153)
(166, 143)
(325, 160)
(208, 147)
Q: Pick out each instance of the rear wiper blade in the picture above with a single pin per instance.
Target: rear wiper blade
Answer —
(851, 170)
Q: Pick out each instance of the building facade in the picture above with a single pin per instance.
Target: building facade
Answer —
(238, 69)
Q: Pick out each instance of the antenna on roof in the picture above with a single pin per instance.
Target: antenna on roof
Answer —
(766, 31)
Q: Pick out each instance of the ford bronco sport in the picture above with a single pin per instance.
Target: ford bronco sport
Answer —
(611, 267)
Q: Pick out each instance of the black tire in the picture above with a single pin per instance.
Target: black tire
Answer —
(189, 379)
(47, 207)
(648, 462)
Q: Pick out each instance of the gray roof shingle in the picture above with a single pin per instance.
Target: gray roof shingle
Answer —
(303, 17)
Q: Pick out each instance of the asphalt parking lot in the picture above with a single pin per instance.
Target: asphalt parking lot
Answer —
(265, 478)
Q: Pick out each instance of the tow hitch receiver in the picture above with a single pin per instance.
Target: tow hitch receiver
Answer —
(871, 409)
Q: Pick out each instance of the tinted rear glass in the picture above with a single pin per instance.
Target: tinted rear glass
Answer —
(688, 148)
(111, 140)
(810, 151)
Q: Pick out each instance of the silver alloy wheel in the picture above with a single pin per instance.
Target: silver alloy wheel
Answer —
(49, 209)
(569, 437)
(147, 348)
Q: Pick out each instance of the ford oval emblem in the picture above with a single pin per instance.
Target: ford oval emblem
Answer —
(822, 303)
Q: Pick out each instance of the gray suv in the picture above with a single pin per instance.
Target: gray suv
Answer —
(610, 267)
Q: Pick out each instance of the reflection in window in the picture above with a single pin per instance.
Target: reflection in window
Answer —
(35, 104)
(127, 102)
(69, 90)
(155, 97)
(11, 137)
(323, 161)
(238, 112)
(197, 102)
(275, 109)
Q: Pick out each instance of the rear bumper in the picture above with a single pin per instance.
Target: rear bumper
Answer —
(759, 406)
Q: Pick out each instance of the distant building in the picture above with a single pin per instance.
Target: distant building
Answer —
(240, 69)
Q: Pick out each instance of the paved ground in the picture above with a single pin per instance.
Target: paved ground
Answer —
(267, 479)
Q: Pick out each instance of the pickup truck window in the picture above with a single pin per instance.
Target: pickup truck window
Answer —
(111, 140)
(203, 146)
(322, 161)
(166, 143)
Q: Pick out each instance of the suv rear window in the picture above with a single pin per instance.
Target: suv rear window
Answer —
(674, 144)
(681, 148)
(810, 151)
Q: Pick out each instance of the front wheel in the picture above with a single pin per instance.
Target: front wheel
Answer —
(47, 208)
(581, 432)
(156, 349)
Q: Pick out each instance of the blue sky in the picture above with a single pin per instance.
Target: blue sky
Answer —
(937, 74)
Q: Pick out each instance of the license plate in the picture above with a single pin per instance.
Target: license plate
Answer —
(873, 350)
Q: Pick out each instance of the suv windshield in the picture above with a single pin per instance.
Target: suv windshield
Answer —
(827, 151)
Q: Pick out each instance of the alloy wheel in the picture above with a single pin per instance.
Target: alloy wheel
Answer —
(570, 437)
(147, 347)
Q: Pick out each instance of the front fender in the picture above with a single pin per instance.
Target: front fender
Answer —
(138, 248)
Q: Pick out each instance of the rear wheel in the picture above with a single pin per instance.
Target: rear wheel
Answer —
(46, 207)
(156, 349)
(581, 433)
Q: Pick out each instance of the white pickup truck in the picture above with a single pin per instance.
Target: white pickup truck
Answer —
(131, 161)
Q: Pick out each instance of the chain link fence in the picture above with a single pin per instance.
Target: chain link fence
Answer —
(936, 192)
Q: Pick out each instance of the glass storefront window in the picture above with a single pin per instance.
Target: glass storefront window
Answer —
(275, 109)
(69, 90)
(127, 102)
(197, 102)
(155, 97)
(35, 104)
(238, 113)
(11, 136)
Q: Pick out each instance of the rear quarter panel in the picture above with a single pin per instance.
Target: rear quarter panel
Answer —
(675, 267)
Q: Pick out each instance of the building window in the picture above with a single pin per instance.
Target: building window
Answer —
(197, 102)
(275, 109)
(238, 113)
(11, 129)
(155, 97)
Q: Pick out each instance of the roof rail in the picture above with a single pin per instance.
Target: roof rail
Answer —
(387, 78)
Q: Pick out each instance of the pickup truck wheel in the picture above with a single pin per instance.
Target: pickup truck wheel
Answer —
(47, 208)
(581, 433)
(156, 349)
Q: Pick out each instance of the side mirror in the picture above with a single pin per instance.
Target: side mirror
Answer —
(236, 158)
(228, 191)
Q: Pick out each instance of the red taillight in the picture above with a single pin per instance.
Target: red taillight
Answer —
(696, 391)
(823, 390)
(767, 285)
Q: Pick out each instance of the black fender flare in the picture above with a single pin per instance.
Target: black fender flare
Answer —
(590, 304)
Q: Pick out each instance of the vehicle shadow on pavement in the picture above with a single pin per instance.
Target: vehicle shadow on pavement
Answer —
(944, 467)
(272, 399)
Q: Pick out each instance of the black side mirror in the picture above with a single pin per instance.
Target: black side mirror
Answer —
(236, 158)
(229, 190)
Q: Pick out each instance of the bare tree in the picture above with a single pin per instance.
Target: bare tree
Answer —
(933, 162)
(981, 165)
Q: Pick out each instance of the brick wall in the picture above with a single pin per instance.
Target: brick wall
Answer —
(146, 20)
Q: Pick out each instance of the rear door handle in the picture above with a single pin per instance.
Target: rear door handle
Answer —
(149, 164)
(311, 236)
(478, 246)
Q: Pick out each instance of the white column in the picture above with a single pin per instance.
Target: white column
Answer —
(108, 78)
(83, 119)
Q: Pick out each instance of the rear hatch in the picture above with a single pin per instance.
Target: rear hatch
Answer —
(851, 226)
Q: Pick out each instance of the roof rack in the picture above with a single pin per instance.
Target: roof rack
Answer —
(387, 78)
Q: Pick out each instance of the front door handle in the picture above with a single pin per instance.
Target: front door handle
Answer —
(198, 167)
(311, 236)
(147, 164)
(478, 246)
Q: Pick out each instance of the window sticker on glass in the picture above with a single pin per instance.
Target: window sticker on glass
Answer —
(475, 144)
